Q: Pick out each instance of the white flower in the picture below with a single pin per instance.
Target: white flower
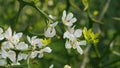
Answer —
(75, 45)
(22, 46)
(51, 32)
(2, 62)
(34, 41)
(68, 19)
(14, 39)
(40, 53)
(72, 34)
(72, 41)
(12, 56)
(1, 34)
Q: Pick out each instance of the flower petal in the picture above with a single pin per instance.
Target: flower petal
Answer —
(78, 32)
(50, 32)
(64, 15)
(69, 16)
(3, 62)
(12, 56)
(79, 50)
(73, 20)
(54, 24)
(68, 35)
(68, 45)
(8, 33)
(1, 30)
(4, 54)
(28, 38)
(40, 55)
(1, 36)
(16, 37)
(22, 56)
(22, 46)
(47, 49)
(51, 66)
(82, 42)
(34, 54)
(7, 45)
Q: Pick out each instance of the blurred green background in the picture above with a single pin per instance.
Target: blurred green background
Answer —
(31, 22)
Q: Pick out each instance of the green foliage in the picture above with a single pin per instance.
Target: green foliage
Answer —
(101, 16)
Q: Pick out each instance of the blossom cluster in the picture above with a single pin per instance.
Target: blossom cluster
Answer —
(15, 50)
(72, 35)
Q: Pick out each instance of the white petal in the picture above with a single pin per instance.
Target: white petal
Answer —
(68, 24)
(12, 56)
(22, 56)
(54, 24)
(78, 32)
(40, 55)
(68, 35)
(52, 17)
(36, 42)
(3, 62)
(34, 54)
(51, 66)
(69, 16)
(73, 20)
(71, 30)
(82, 42)
(28, 38)
(1, 36)
(16, 37)
(15, 63)
(79, 50)
(7, 45)
(64, 15)
(4, 53)
(8, 33)
(22, 46)
(1, 30)
(50, 32)
(67, 45)
(47, 49)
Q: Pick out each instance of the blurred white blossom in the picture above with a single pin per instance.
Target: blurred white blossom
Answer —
(67, 66)
(51, 32)
(38, 47)
(35, 42)
(72, 39)
(13, 57)
(40, 52)
(68, 19)
(12, 38)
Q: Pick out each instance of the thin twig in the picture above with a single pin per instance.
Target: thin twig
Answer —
(85, 57)
(104, 10)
